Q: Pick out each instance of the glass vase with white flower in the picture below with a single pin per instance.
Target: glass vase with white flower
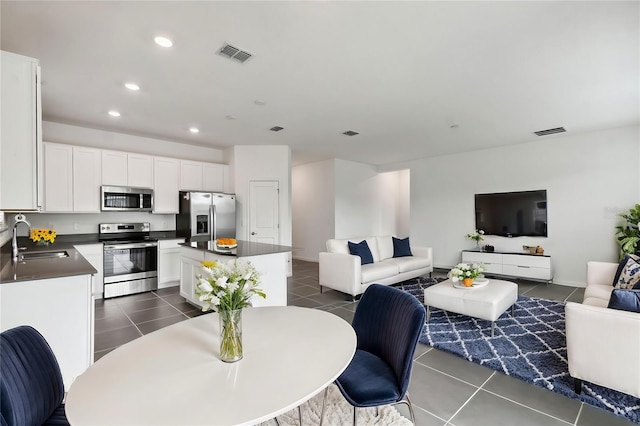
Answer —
(466, 272)
(476, 236)
(228, 287)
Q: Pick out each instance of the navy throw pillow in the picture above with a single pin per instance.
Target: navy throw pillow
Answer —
(401, 247)
(625, 300)
(628, 273)
(361, 249)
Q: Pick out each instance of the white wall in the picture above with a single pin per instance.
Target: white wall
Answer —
(589, 179)
(313, 208)
(262, 163)
(345, 199)
(84, 136)
(393, 203)
(356, 202)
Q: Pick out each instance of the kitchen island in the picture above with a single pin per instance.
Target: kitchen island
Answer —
(269, 259)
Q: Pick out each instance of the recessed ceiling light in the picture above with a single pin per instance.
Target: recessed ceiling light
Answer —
(163, 41)
(114, 113)
(132, 86)
(350, 133)
(194, 129)
(276, 128)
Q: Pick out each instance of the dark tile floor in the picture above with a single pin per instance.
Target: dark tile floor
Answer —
(445, 389)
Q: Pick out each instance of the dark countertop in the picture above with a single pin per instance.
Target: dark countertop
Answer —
(38, 269)
(75, 264)
(244, 249)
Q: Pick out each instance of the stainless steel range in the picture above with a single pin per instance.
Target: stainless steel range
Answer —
(130, 258)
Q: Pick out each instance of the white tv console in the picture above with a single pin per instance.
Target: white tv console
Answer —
(521, 265)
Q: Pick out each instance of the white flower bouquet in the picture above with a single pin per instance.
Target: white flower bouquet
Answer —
(227, 286)
(476, 236)
(466, 270)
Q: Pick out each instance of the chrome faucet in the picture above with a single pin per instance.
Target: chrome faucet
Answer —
(20, 218)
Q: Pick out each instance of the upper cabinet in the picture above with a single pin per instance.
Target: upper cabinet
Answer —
(198, 176)
(87, 178)
(166, 185)
(190, 175)
(74, 174)
(20, 134)
(58, 177)
(140, 170)
(213, 177)
(127, 169)
(114, 168)
(72, 178)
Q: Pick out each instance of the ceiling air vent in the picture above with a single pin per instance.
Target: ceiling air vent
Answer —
(550, 131)
(234, 53)
(350, 133)
(276, 128)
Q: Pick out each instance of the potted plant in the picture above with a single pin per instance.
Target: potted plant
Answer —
(466, 272)
(627, 234)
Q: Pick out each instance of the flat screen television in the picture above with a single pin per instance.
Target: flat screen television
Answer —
(512, 214)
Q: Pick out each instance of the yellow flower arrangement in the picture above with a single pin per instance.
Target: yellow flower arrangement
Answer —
(42, 236)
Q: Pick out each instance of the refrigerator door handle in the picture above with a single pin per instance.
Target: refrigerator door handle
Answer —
(212, 222)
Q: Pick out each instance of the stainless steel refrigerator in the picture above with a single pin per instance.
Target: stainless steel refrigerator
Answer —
(206, 216)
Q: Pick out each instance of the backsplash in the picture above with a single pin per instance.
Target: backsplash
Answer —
(87, 223)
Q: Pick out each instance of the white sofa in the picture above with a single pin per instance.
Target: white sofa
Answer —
(342, 271)
(603, 345)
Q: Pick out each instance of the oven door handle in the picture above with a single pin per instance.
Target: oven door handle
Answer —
(129, 246)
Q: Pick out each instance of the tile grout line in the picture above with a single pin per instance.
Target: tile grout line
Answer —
(575, 423)
(470, 398)
(170, 304)
(525, 406)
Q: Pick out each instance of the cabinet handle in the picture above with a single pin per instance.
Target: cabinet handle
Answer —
(520, 266)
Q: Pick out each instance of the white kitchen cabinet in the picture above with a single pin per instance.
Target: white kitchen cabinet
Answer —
(213, 177)
(198, 176)
(62, 310)
(190, 175)
(114, 168)
(190, 266)
(72, 178)
(87, 178)
(94, 253)
(169, 262)
(166, 185)
(140, 170)
(127, 169)
(58, 171)
(21, 173)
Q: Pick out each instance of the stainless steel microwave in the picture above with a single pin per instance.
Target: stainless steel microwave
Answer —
(126, 199)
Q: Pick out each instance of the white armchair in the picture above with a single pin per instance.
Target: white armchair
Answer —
(603, 345)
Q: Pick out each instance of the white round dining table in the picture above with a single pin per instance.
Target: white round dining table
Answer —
(174, 376)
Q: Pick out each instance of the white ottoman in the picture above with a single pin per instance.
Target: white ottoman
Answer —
(487, 302)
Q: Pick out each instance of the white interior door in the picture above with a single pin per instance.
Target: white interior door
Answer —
(264, 221)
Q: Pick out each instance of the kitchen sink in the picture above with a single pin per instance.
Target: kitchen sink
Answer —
(43, 255)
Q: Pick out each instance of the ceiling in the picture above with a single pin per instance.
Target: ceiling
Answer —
(415, 79)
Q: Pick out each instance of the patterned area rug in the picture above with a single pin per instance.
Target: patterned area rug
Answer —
(530, 346)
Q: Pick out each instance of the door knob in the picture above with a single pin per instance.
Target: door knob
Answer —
(254, 233)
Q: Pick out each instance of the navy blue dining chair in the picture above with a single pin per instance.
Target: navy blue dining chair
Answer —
(388, 323)
(31, 387)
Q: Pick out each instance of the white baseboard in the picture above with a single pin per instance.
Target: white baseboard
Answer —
(306, 259)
